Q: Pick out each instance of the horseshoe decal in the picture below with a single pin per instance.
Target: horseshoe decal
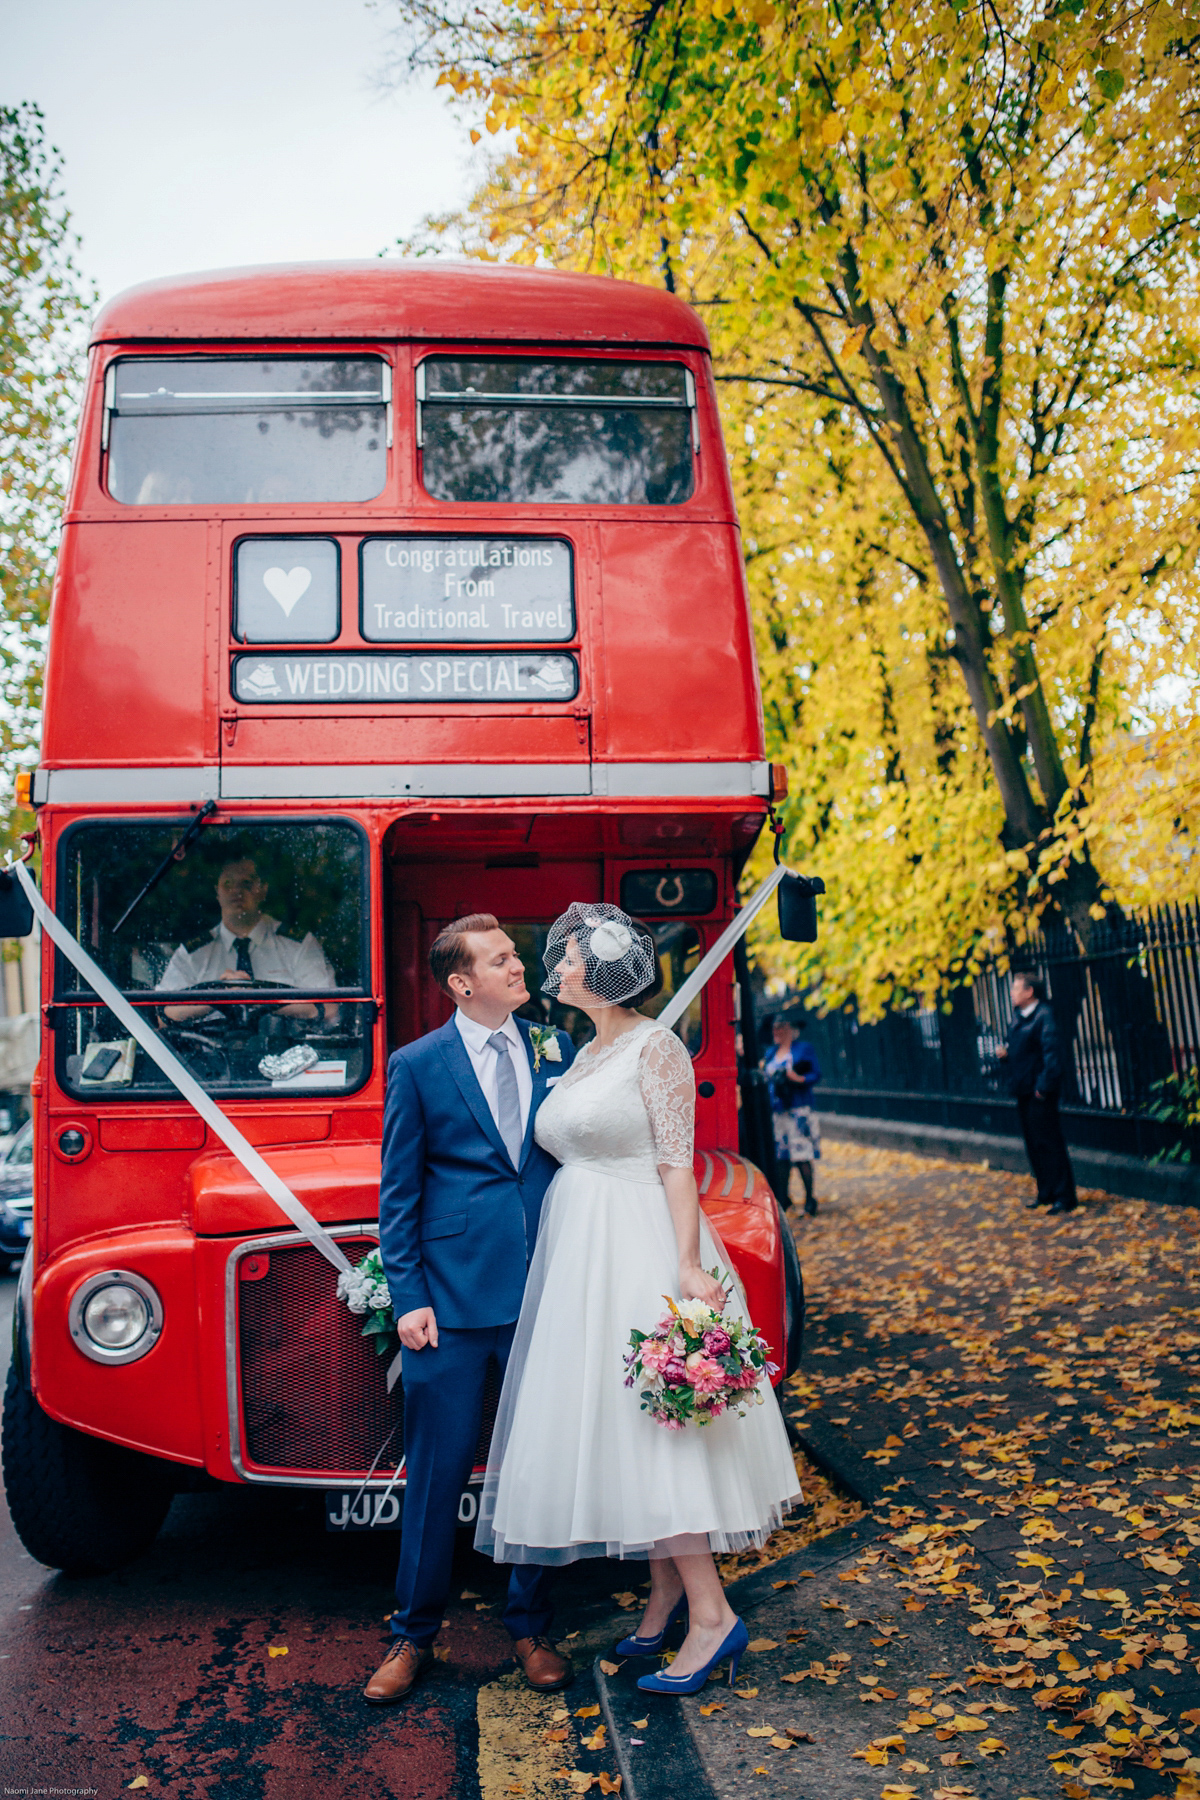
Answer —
(660, 892)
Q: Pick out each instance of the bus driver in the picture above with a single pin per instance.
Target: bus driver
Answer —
(246, 946)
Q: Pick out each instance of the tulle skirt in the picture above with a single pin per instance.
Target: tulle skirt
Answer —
(576, 1468)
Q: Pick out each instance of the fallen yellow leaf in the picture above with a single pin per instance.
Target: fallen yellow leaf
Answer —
(746, 1693)
(588, 1712)
(641, 1724)
(762, 1644)
(612, 1668)
(782, 1743)
(608, 1784)
(760, 1731)
(276, 1649)
(708, 1711)
(596, 1741)
(140, 1781)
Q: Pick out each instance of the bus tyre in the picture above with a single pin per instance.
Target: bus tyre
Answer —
(78, 1504)
(793, 1303)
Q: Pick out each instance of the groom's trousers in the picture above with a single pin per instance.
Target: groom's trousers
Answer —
(443, 1411)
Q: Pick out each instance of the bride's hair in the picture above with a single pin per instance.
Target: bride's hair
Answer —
(655, 986)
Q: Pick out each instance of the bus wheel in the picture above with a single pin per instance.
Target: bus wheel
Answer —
(77, 1503)
(793, 1288)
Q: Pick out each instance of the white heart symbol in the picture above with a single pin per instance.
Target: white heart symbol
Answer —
(287, 587)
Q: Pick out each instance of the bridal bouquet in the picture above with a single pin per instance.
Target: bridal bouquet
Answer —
(365, 1290)
(696, 1365)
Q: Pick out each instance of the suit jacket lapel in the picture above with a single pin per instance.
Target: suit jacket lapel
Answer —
(459, 1063)
(538, 1094)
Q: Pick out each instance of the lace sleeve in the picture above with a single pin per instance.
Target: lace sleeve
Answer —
(668, 1088)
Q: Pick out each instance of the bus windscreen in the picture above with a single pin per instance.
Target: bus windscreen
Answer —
(238, 431)
(516, 430)
(238, 941)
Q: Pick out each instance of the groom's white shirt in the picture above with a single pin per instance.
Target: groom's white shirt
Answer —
(483, 1061)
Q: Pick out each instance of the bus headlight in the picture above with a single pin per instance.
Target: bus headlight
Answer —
(115, 1317)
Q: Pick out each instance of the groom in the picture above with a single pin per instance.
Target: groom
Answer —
(459, 1201)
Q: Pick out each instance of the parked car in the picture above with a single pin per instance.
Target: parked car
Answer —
(16, 1195)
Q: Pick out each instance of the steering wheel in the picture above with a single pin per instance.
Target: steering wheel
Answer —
(240, 1012)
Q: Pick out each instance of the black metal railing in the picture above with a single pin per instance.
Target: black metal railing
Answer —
(1128, 1015)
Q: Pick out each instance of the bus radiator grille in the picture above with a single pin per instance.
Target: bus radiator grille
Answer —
(314, 1391)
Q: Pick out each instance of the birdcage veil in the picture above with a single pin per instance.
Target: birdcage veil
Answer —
(618, 954)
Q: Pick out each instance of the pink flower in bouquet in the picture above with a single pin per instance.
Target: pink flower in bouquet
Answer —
(717, 1343)
(654, 1355)
(705, 1375)
(674, 1370)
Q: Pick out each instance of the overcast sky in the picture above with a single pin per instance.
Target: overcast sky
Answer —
(240, 131)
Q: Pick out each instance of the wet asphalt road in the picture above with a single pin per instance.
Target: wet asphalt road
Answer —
(164, 1670)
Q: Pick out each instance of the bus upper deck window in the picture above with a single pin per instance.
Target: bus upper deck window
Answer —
(240, 431)
(601, 433)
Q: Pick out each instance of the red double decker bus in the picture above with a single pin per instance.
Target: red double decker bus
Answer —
(387, 593)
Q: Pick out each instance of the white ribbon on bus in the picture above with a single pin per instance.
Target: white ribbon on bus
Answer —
(224, 1128)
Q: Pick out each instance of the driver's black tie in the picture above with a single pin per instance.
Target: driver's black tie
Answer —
(242, 946)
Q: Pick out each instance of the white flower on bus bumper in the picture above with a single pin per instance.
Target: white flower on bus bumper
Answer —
(365, 1291)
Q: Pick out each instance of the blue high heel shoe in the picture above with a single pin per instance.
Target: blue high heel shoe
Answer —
(733, 1647)
(650, 1646)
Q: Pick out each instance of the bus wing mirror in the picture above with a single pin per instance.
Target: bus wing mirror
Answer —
(798, 908)
(16, 914)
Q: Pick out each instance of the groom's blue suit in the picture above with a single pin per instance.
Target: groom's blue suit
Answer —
(457, 1225)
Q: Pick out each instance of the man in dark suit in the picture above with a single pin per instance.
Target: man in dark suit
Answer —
(459, 1202)
(1034, 1075)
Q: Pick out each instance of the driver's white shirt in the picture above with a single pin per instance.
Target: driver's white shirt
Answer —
(272, 957)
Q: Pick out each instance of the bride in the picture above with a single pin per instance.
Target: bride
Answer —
(576, 1468)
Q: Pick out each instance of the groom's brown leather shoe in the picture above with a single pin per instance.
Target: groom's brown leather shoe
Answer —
(545, 1670)
(394, 1677)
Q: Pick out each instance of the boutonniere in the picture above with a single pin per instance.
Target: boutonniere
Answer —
(545, 1043)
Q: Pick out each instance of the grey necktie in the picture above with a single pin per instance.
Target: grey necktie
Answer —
(508, 1101)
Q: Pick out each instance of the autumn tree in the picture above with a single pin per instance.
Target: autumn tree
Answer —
(948, 257)
(43, 309)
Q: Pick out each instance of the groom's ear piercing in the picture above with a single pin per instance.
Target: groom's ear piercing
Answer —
(466, 990)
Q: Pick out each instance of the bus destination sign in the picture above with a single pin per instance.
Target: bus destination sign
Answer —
(467, 590)
(457, 677)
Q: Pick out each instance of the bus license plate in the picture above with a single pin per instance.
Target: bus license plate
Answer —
(379, 1511)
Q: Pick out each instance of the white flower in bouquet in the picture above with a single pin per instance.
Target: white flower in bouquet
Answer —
(696, 1313)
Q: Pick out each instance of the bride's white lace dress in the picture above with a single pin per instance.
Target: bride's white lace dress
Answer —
(576, 1468)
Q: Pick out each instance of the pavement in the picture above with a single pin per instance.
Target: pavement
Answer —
(1014, 1397)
